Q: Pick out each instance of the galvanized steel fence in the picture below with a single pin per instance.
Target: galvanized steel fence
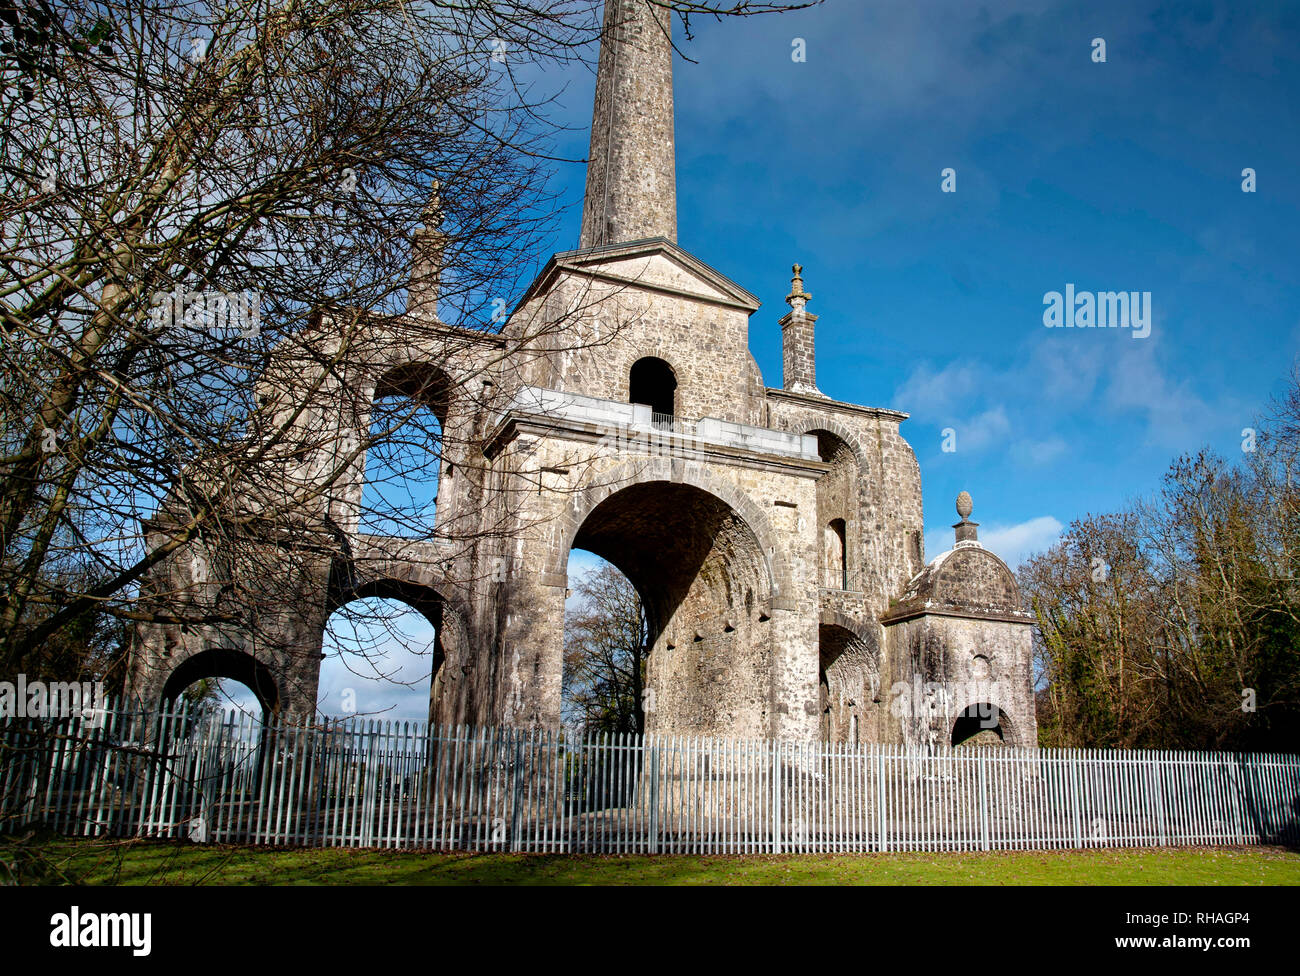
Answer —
(221, 776)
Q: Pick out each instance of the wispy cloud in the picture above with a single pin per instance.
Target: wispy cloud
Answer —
(1174, 414)
(1038, 452)
(1012, 543)
(937, 390)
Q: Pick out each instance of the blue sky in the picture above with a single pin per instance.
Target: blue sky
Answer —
(1123, 175)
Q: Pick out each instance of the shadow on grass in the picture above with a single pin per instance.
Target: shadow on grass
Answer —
(165, 863)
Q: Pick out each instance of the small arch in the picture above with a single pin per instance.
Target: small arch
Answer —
(982, 724)
(224, 662)
(651, 381)
(847, 679)
(446, 621)
(822, 426)
(422, 383)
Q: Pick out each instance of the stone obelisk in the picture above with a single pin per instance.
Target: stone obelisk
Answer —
(631, 178)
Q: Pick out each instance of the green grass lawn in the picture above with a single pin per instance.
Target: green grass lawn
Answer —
(138, 862)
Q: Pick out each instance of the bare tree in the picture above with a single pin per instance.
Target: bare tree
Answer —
(606, 653)
(201, 203)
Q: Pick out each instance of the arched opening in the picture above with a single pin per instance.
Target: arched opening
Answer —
(705, 587)
(849, 683)
(835, 556)
(982, 724)
(837, 507)
(382, 653)
(653, 382)
(224, 677)
(404, 464)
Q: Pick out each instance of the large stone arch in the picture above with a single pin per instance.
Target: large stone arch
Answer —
(230, 663)
(651, 470)
(705, 562)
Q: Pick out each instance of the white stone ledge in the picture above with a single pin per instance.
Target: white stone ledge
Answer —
(559, 406)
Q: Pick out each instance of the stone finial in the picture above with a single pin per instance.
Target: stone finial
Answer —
(431, 215)
(964, 504)
(798, 359)
(798, 298)
(426, 257)
(966, 529)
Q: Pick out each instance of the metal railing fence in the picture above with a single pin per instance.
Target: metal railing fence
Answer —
(218, 776)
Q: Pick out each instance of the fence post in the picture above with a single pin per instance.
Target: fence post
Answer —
(517, 792)
(1160, 797)
(984, 801)
(882, 844)
(369, 792)
(776, 798)
(654, 794)
(1074, 795)
(1256, 801)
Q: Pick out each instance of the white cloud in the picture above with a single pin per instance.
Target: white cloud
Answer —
(983, 430)
(1063, 369)
(386, 662)
(1012, 543)
(1176, 415)
(1038, 452)
(933, 392)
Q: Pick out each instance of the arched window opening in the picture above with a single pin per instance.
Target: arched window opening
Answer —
(381, 659)
(835, 558)
(403, 468)
(652, 382)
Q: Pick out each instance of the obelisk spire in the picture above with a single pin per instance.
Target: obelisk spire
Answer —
(631, 175)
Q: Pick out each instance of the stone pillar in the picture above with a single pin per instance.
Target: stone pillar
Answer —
(426, 260)
(798, 358)
(631, 173)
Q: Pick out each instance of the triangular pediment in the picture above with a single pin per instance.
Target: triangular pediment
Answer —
(655, 264)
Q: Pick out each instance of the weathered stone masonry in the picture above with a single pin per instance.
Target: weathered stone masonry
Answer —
(775, 535)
